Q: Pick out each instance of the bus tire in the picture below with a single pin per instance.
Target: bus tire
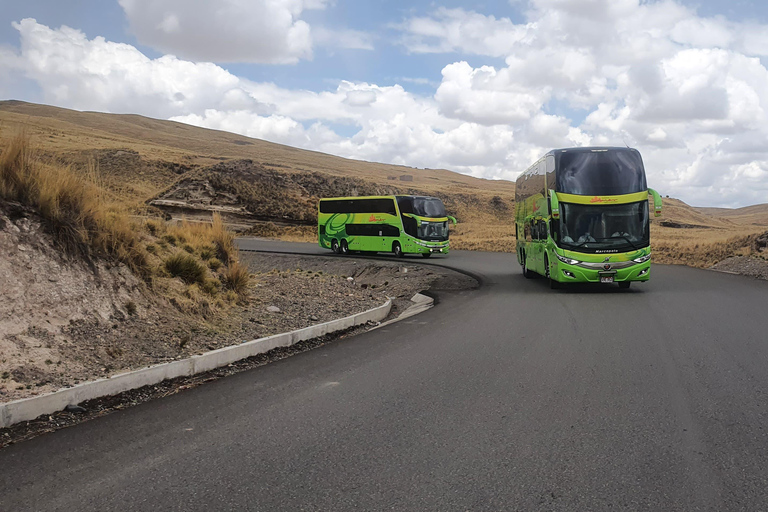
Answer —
(335, 246)
(344, 248)
(426, 254)
(526, 272)
(397, 249)
(624, 284)
(553, 285)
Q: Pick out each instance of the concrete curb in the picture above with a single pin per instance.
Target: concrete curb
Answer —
(30, 408)
(421, 303)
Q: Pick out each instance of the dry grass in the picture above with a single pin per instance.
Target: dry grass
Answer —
(706, 254)
(73, 208)
(191, 252)
(86, 222)
(236, 278)
(137, 158)
(186, 268)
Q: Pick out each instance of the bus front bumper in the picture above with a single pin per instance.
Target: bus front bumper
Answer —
(419, 247)
(565, 273)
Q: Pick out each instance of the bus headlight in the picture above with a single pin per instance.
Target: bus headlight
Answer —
(642, 259)
(569, 261)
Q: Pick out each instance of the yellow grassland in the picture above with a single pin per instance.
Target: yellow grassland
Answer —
(86, 221)
(484, 208)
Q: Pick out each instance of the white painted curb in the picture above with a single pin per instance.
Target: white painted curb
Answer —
(421, 303)
(30, 408)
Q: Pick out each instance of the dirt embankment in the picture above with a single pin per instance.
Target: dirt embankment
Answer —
(64, 320)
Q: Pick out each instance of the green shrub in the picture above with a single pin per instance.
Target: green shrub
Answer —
(186, 268)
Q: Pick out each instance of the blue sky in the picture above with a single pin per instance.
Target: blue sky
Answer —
(481, 88)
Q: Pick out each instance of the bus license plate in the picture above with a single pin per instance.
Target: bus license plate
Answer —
(606, 279)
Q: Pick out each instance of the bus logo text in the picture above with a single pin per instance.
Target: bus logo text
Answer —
(603, 200)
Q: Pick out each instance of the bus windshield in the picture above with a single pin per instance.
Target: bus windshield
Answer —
(428, 207)
(605, 172)
(590, 228)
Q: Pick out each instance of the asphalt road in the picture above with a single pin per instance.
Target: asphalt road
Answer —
(509, 397)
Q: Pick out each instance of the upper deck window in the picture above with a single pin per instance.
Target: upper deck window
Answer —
(603, 172)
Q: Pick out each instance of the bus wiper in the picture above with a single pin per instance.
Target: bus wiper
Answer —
(625, 238)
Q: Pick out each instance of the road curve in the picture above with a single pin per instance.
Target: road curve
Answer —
(509, 397)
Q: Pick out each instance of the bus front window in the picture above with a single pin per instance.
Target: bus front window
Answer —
(435, 231)
(620, 227)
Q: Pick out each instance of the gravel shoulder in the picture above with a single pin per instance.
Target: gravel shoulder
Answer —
(288, 292)
(756, 267)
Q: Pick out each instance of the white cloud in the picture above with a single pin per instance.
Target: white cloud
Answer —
(343, 38)
(650, 74)
(587, 72)
(260, 31)
(449, 30)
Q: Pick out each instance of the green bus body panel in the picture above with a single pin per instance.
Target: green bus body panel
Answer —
(333, 226)
(536, 202)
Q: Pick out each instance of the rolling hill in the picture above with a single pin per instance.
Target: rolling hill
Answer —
(153, 165)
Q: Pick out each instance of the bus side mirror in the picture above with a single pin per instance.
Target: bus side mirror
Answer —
(656, 202)
(452, 219)
(554, 204)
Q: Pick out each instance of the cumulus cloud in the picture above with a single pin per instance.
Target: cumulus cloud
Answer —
(96, 74)
(587, 72)
(650, 74)
(260, 31)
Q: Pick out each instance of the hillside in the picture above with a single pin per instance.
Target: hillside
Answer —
(179, 170)
(139, 159)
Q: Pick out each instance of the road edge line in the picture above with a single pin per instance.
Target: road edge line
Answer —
(27, 409)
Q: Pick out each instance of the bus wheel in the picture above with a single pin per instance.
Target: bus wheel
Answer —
(526, 272)
(554, 285)
(344, 247)
(426, 254)
(397, 249)
(624, 284)
(335, 246)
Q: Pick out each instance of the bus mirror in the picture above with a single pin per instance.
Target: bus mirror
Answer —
(554, 204)
(452, 219)
(656, 202)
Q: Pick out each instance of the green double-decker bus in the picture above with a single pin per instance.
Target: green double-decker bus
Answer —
(581, 215)
(398, 224)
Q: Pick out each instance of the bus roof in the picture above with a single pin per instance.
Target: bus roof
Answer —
(375, 197)
(591, 148)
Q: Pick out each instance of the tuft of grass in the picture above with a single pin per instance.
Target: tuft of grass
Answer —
(153, 227)
(185, 267)
(211, 287)
(130, 307)
(74, 209)
(223, 239)
(236, 278)
(206, 253)
(214, 264)
(188, 248)
(170, 239)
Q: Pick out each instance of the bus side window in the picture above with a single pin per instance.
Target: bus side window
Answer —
(542, 230)
(527, 232)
